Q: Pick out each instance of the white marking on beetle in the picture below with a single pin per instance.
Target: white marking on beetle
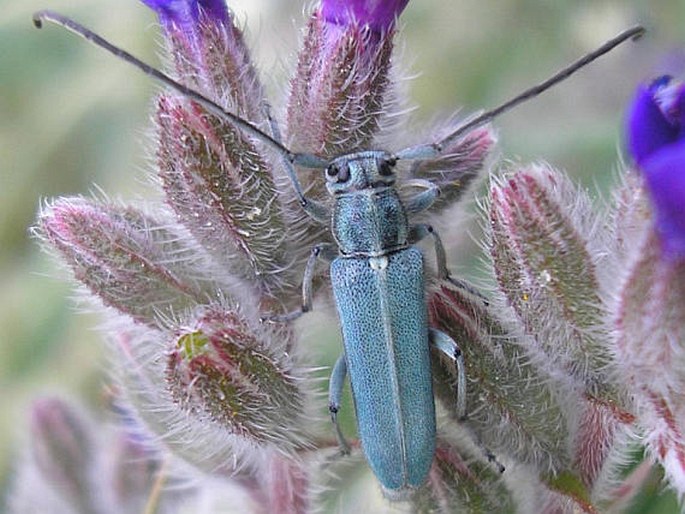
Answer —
(378, 263)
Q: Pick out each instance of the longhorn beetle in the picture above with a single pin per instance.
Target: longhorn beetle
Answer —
(377, 277)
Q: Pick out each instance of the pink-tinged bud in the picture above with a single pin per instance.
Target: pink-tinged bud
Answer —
(220, 183)
(458, 167)
(223, 191)
(565, 494)
(210, 55)
(282, 485)
(338, 94)
(650, 327)
(636, 484)
(63, 450)
(227, 372)
(134, 470)
(664, 419)
(127, 259)
(510, 406)
(543, 250)
(601, 428)
(378, 14)
(192, 28)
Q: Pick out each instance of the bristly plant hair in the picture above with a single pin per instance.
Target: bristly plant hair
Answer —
(424, 151)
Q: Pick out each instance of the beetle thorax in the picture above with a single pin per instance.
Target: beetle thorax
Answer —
(369, 222)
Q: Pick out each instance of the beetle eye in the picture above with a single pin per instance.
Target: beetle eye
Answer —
(385, 167)
(341, 174)
(332, 171)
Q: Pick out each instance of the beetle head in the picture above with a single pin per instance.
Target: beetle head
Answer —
(363, 170)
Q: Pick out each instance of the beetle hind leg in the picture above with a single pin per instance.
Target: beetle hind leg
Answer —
(448, 347)
(335, 391)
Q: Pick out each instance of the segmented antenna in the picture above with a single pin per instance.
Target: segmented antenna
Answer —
(306, 160)
(429, 150)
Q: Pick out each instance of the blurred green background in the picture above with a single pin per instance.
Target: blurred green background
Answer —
(72, 117)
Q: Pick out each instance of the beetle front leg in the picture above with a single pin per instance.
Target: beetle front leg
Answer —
(423, 200)
(448, 347)
(324, 251)
(335, 391)
(315, 210)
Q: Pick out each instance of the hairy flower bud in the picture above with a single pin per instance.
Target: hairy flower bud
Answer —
(458, 484)
(222, 184)
(457, 167)
(378, 15)
(545, 259)
(224, 370)
(509, 406)
(135, 468)
(185, 14)
(63, 450)
(650, 324)
(223, 191)
(122, 256)
(338, 94)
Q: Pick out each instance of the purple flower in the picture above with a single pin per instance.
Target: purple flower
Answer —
(377, 14)
(656, 140)
(185, 14)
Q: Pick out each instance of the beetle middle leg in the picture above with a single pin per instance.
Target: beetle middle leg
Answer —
(448, 347)
(335, 390)
(325, 251)
(419, 232)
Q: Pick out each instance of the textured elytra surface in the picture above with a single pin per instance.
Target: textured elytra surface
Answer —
(387, 333)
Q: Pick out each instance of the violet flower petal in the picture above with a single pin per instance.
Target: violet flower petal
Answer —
(378, 14)
(647, 127)
(185, 13)
(665, 176)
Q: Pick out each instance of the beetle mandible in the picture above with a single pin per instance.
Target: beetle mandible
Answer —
(377, 277)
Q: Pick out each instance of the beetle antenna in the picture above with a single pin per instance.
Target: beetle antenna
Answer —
(431, 150)
(306, 160)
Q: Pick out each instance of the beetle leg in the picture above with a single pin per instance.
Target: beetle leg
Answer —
(315, 210)
(423, 200)
(417, 233)
(491, 458)
(335, 391)
(446, 345)
(324, 251)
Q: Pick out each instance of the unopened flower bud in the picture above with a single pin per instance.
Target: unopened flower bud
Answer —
(122, 256)
(545, 259)
(225, 371)
(63, 450)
